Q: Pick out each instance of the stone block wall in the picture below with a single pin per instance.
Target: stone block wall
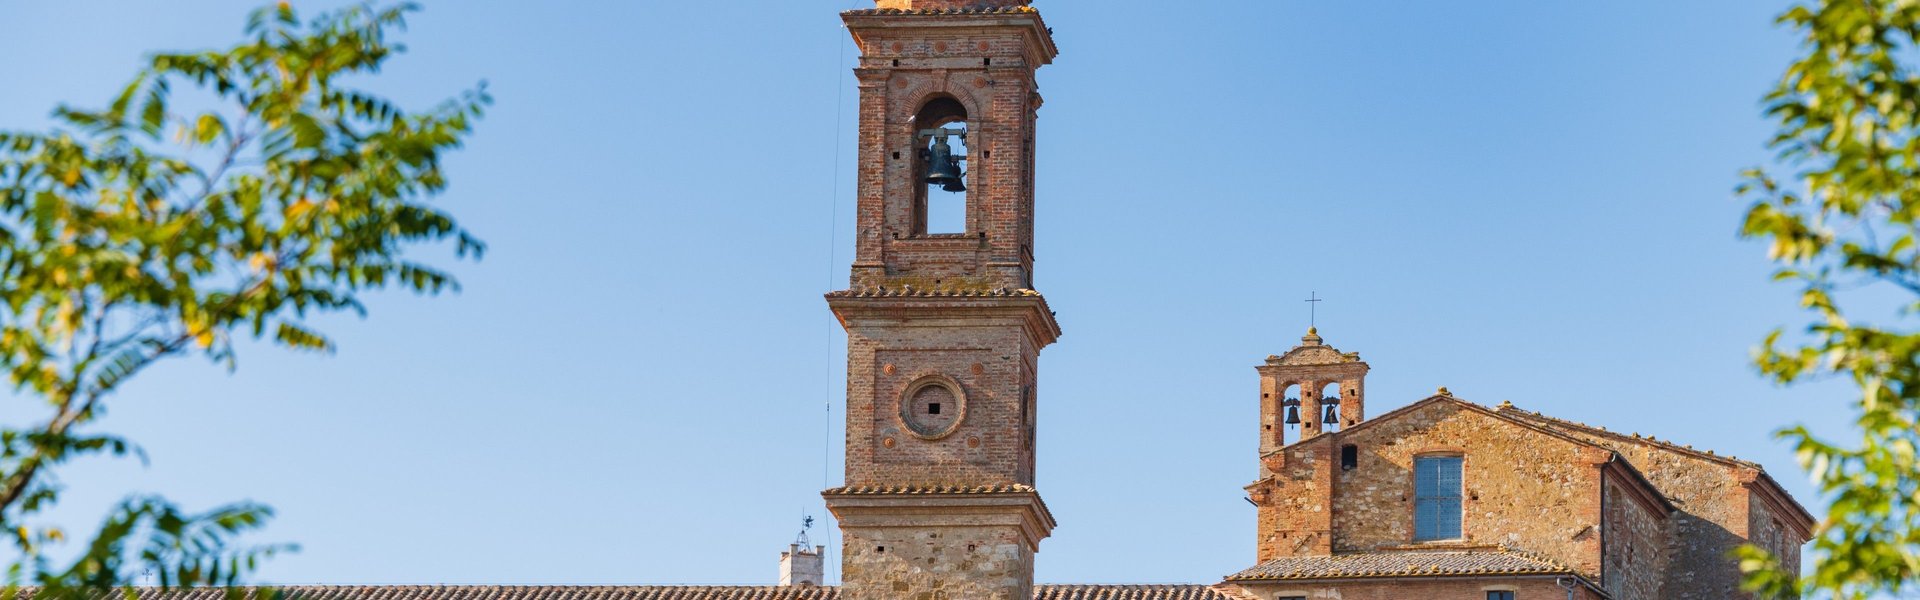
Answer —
(936, 563)
(1770, 531)
(1296, 503)
(1523, 488)
(1636, 554)
(1713, 508)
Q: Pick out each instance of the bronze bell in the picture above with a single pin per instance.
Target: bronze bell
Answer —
(942, 169)
(1332, 416)
(1293, 415)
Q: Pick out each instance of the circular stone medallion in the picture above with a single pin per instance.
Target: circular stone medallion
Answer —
(933, 407)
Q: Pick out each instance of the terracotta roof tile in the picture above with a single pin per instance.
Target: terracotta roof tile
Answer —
(985, 10)
(912, 292)
(1416, 563)
(1126, 592)
(655, 592)
(860, 490)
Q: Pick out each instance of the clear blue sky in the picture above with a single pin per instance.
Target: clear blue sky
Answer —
(1518, 200)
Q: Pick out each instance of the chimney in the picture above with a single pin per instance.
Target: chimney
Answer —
(801, 567)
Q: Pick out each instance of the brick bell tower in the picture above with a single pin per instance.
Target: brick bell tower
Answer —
(944, 330)
(1320, 390)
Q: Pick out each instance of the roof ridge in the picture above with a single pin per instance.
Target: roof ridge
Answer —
(1637, 438)
(1449, 397)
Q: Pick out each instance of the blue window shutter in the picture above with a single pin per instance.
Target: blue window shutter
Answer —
(1436, 503)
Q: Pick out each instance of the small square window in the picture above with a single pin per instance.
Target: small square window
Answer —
(1499, 595)
(933, 408)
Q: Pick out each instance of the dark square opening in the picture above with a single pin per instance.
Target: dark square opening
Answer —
(933, 408)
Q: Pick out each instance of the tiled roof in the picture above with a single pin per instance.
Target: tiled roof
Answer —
(1126, 592)
(862, 490)
(1429, 563)
(504, 592)
(655, 592)
(984, 10)
(912, 292)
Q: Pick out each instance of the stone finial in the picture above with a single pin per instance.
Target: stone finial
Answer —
(947, 4)
(1312, 338)
(1443, 391)
(1506, 405)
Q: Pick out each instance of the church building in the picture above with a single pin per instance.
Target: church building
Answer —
(1442, 499)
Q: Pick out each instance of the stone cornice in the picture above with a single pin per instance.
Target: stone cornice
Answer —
(1778, 500)
(1638, 486)
(1040, 37)
(1021, 509)
(1026, 305)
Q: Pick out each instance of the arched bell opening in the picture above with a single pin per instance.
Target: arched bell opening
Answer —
(1328, 410)
(941, 162)
(1289, 412)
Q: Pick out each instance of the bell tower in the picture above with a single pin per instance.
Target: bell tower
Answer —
(1314, 388)
(1317, 390)
(944, 328)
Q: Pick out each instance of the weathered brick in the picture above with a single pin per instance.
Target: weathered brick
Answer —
(943, 330)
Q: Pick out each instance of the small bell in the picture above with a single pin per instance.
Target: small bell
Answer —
(1293, 412)
(1333, 415)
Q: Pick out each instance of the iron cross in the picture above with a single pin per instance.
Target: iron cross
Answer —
(1313, 308)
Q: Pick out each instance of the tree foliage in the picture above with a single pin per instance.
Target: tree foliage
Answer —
(142, 231)
(1842, 226)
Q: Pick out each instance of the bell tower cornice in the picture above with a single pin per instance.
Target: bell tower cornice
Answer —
(873, 27)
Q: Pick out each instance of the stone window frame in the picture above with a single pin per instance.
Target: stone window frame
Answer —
(1413, 508)
(906, 404)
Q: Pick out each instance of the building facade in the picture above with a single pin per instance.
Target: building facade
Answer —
(1442, 499)
(1465, 501)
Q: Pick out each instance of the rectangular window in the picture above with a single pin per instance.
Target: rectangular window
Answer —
(1436, 498)
(1499, 595)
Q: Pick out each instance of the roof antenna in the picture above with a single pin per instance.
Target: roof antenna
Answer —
(806, 524)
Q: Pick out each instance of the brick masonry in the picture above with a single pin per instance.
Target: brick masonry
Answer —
(1631, 516)
(944, 331)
